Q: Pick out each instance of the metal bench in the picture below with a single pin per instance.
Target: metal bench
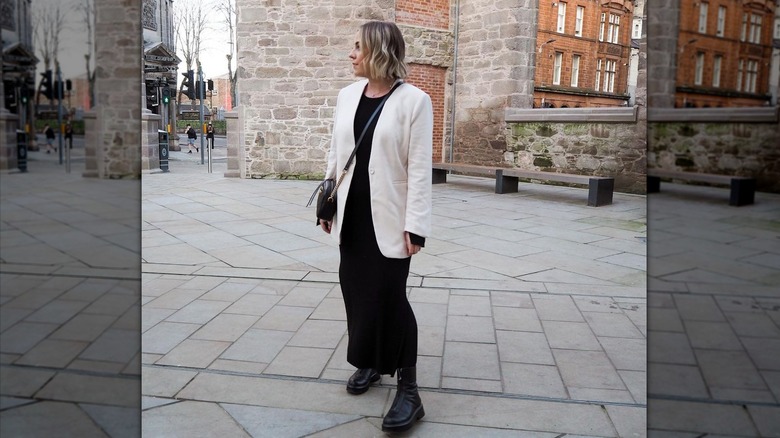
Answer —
(743, 189)
(600, 188)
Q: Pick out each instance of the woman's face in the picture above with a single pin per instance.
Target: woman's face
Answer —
(357, 55)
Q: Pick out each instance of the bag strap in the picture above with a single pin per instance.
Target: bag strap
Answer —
(360, 139)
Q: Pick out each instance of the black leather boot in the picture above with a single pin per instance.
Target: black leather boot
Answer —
(407, 406)
(361, 380)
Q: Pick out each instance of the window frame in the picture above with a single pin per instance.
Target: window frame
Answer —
(603, 26)
(561, 24)
(717, 65)
(557, 67)
(721, 27)
(579, 17)
(575, 70)
(698, 75)
(704, 9)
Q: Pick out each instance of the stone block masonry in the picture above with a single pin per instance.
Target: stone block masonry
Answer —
(294, 61)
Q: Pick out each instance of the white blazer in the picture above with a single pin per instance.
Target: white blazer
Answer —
(399, 169)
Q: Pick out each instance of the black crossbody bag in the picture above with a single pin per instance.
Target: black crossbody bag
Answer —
(326, 190)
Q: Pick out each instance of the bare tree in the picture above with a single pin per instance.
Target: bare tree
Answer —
(228, 9)
(189, 22)
(48, 22)
(87, 8)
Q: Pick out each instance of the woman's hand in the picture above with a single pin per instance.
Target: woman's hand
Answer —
(411, 249)
(326, 225)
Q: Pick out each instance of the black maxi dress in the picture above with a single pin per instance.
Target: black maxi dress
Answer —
(380, 322)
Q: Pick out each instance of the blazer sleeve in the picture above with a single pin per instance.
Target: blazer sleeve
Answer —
(418, 200)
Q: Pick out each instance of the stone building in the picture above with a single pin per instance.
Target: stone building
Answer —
(160, 60)
(724, 53)
(709, 140)
(583, 53)
(18, 74)
(475, 59)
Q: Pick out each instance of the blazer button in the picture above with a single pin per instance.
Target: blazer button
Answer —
(371, 171)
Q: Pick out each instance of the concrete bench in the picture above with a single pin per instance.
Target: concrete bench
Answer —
(743, 189)
(600, 189)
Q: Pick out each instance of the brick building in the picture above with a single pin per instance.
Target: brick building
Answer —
(724, 53)
(477, 60)
(583, 53)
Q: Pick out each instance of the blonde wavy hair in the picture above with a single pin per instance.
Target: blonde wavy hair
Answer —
(384, 49)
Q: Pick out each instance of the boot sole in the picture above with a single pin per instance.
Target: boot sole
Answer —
(357, 390)
(406, 426)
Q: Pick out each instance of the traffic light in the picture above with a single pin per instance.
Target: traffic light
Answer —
(24, 93)
(68, 85)
(189, 84)
(211, 85)
(151, 96)
(46, 85)
(166, 95)
(199, 90)
(10, 96)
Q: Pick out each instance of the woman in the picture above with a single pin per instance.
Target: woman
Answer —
(50, 136)
(383, 214)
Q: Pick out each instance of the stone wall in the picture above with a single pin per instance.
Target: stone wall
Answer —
(495, 58)
(662, 26)
(718, 140)
(583, 141)
(292, 63)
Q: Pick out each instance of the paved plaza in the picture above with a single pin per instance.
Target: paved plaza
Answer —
(532, 310)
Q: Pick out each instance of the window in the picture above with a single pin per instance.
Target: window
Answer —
(557, 68)
(698, 78)
(575, 70)
(721, 21)
(614, 28)
(636, 33)
(718, 61)
(561, 17)
(598, 74)
(578, 22)
(755, 29)
(740, 69)
(743, 31)
(609, 76)
(603, 23)
(703, 7)
(777, 29)
(751, 76)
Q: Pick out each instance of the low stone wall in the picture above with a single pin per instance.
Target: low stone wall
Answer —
(724, 141)
(582, 141)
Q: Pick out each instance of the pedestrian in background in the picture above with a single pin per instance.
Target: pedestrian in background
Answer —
(50, 136)
(210, 134)
(69, 134)
(191, 137)
(383, 214)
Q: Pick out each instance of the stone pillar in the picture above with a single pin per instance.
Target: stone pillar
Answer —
(91, 134)
(663, 18)
(495, 69)
(150, 142)
(118, 37)
(8, 125)
(236, 165)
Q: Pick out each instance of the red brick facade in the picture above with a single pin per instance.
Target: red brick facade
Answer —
(431, 79)
(591, 41)
(434, 14)
(735, 31)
